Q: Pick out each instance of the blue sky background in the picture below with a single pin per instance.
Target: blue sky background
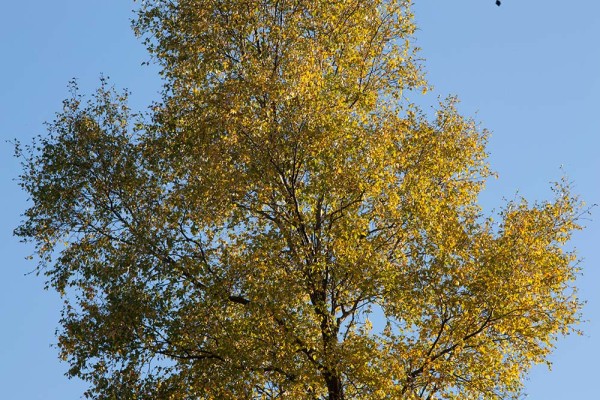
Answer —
(529, 71)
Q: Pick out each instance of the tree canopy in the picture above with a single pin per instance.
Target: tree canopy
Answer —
(285, 224)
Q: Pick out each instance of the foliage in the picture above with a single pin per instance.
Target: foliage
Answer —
(285, 225)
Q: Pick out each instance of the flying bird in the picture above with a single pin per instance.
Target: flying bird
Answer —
(498, 2)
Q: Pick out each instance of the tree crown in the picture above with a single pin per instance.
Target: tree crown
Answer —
(285, 224)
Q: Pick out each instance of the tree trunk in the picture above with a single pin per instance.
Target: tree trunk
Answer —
(334, 386)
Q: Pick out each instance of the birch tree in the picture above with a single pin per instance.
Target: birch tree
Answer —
(285, 224)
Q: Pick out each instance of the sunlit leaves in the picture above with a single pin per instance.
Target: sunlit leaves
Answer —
(284, 225)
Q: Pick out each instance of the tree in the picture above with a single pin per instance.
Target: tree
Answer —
(284, 224)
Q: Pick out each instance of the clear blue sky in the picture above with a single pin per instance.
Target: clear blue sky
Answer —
(529, 71)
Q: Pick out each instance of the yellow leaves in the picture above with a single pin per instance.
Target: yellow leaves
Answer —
(281, 204)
